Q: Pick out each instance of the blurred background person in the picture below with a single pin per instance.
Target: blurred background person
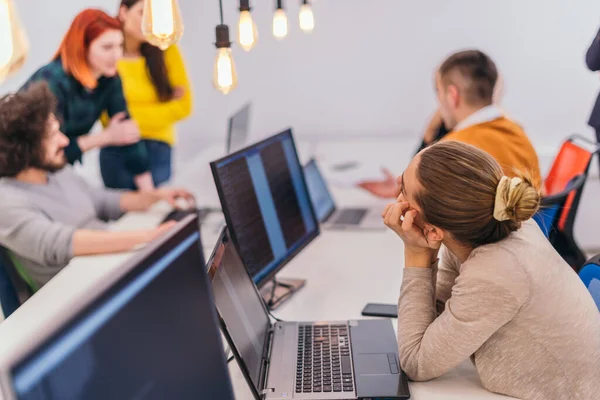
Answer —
(158, 95)
(436, 129)
(465, 84)
(84, 79)
(592, 59)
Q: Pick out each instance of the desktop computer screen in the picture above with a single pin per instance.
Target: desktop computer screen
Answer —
(266, 204)
(152, 335)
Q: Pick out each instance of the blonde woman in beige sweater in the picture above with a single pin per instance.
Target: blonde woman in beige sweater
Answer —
(501, 294)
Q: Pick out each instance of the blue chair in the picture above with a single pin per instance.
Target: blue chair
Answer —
(548, 217)
(545, 218)
(590, 275)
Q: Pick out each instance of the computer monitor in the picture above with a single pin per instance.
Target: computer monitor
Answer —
(153, 334)
(266, 204)
(237, 132)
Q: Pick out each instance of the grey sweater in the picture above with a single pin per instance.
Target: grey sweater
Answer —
(516, 308)
(37, 222)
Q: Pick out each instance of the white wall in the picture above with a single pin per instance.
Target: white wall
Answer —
(367, 67)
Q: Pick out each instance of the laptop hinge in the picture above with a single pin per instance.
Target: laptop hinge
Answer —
(266, 362)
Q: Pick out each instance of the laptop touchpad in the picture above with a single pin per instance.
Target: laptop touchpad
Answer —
(372, 364)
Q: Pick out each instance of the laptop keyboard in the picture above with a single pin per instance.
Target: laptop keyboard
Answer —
(324, 363)
(350, 216)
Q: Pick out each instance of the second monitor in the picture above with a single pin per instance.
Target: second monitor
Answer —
(267, 209)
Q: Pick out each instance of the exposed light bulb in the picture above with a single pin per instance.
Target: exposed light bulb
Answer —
(224, 74)
(14, 45)
(307, 18)
(162, 25)
(280, 24)
(247, 32)
(6, 37)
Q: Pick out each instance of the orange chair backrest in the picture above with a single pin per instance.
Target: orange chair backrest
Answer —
(571, 160)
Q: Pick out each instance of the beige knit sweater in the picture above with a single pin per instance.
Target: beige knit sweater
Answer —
(516, 307)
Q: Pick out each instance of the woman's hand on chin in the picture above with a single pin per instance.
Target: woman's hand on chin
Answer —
(418, 250)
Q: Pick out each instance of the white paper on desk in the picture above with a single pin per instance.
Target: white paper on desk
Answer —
(354, 176)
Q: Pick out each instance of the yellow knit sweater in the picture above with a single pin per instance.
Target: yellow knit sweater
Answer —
(156, 119)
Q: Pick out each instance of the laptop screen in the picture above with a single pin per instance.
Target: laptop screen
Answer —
(152, 335)
(240, 306)
(266, 204)
(237, 133)
(319, 193)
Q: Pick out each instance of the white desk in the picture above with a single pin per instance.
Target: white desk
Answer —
(344, 271)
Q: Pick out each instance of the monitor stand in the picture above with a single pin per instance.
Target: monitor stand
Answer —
(278, 290)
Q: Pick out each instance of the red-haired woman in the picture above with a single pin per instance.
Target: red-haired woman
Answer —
(83, 77)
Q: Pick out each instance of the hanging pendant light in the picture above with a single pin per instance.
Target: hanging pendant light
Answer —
(247, 32)
(224, 73)
(280, 22)
(306, 17)
(162, 25)
(14, 45)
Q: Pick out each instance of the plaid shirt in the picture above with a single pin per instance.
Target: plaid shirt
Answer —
(78, 109)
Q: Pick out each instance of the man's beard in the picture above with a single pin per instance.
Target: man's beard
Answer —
(54, 165)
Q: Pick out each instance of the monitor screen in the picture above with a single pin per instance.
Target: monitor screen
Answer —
(237, 133)
(240, 306)
(319, 193)
(152, 335)
(266, 204)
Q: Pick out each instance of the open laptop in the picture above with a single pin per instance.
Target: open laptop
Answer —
(356, 359)
(328, 214)
(237, 131)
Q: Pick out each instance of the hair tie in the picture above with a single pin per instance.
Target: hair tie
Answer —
(505, 188)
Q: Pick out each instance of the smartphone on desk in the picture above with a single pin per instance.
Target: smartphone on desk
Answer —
(380, 310)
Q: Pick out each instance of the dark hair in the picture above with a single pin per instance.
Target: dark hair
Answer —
(458, 185)
(24, 118)
(155, 64)
(479, 72)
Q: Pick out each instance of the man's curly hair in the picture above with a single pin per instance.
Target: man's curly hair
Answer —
(24, 120)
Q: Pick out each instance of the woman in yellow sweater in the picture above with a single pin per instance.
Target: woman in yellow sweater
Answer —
(158, 94)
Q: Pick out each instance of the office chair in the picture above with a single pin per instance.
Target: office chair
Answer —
(8, 295)
(590, 275)
(563, 188)
(14, 291)
(556, 218)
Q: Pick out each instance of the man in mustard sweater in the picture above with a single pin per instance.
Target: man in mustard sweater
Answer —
(465, 85)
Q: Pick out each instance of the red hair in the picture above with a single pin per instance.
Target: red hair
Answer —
(87, 26)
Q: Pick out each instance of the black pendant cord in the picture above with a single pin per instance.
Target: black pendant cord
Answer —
(221, 11)
(222, 31)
